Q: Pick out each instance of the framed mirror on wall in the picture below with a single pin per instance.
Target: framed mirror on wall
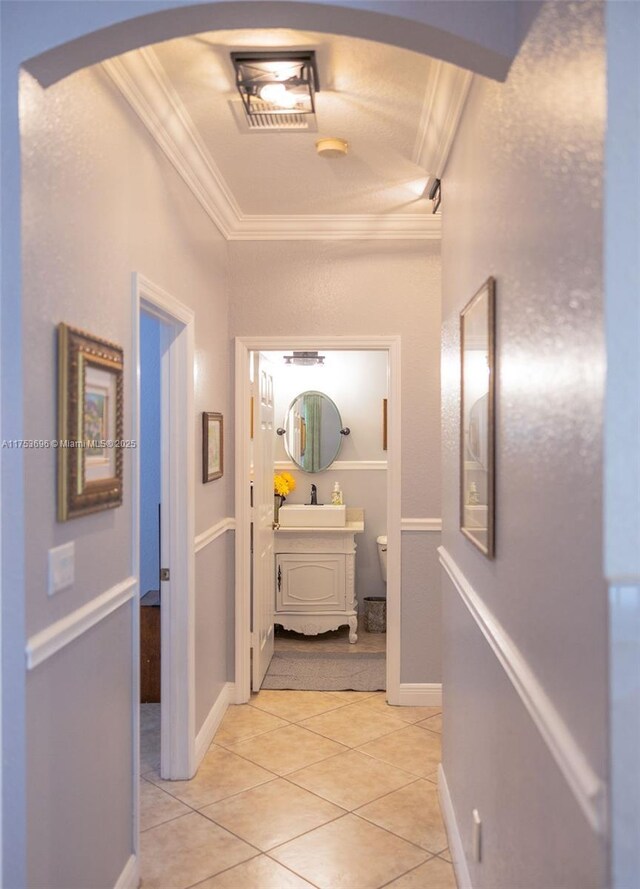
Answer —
(477, 419)
(313, 431)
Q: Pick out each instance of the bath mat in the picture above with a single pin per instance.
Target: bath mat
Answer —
(329, 671)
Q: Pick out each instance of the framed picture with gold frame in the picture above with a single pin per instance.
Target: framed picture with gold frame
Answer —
(477, 418)
(212, 446)
(90, 423)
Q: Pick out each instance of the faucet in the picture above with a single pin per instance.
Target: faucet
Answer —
(314, 496)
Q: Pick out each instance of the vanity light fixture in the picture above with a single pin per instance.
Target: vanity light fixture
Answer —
(277, 82)
(304, 358)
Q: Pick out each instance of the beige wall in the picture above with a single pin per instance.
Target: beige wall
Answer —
(367, 287)
(99, 203)
(523, 202)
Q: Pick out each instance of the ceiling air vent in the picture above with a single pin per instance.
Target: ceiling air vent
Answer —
(271, 121)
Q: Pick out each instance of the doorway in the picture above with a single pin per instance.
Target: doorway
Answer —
(321, 634)
(151, 334)
(162, 323)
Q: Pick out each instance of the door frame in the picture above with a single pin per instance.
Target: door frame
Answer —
(178, 499)
(243, 346)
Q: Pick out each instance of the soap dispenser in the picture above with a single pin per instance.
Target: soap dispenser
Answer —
(336, 495)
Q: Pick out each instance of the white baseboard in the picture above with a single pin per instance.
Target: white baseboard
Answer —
(130, 876)
(213, 720)
(420, 694)
(456, 848)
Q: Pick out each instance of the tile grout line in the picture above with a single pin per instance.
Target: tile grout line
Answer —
(427, 852)
(410, 871)
(344, 812)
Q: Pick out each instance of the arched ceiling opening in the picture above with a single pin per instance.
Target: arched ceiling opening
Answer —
(482, 36)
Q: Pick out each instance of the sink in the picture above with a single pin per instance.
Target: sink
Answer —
(300, 515)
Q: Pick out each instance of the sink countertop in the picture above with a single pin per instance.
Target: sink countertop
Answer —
(354, 525)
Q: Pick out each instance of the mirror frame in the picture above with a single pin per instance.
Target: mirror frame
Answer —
(488, 292)
(340, 431)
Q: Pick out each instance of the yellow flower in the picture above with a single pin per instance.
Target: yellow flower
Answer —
(283, 484)
(290, 480)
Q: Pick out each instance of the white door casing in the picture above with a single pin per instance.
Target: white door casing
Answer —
(244, 347)
(263, 558)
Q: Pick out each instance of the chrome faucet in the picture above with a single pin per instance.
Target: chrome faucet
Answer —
(314, 496)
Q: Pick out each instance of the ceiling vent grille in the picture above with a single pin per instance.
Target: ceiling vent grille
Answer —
(270, 121)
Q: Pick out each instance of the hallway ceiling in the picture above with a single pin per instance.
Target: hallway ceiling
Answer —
(397, 109)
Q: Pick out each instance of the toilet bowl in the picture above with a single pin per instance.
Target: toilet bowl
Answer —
(382, 555)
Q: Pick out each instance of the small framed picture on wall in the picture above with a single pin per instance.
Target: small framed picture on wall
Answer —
(212, 446)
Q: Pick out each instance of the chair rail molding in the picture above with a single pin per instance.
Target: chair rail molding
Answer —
(53, 638)
(421, 524)
(212, 533)
(588, 790)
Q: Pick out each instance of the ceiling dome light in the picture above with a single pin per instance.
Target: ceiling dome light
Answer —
(332, 147)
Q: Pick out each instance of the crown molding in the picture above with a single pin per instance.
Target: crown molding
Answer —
(442, 108)
(338, 227)
(143, 83)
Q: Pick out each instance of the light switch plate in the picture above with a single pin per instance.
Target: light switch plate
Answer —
(61, 567)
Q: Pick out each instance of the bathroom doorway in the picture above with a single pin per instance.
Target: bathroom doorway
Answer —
(331, 605)
(163, 529)
(330, 450)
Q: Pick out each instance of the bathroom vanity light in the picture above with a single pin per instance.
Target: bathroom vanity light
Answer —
(279, 82)
(304, 358)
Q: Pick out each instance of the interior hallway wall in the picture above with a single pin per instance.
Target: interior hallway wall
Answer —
(522, 201)
(368, 288)
(100, 201)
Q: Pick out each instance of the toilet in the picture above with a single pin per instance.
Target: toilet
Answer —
(375, 607)
(382, 555)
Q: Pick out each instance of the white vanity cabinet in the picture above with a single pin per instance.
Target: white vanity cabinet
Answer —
(315, 579)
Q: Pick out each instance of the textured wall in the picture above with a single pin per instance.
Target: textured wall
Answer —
(99, 203)
(337, 288)
(523, 202)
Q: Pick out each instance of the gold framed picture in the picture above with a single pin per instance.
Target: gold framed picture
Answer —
(212, 446)
(90, 423)
(477, 419)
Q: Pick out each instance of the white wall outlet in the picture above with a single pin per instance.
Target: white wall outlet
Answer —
(476, 836)
(61, 567)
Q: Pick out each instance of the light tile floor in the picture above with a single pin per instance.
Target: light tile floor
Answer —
(300, 789)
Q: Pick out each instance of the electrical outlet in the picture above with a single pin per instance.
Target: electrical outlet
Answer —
(476, 836)
(61, 567)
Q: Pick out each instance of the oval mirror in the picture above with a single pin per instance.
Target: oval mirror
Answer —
(312, 436)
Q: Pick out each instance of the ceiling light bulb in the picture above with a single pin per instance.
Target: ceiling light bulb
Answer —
(275, 93)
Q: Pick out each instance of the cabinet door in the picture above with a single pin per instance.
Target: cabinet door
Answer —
(310, 582)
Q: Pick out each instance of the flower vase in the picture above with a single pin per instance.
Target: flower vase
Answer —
(278, 500)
